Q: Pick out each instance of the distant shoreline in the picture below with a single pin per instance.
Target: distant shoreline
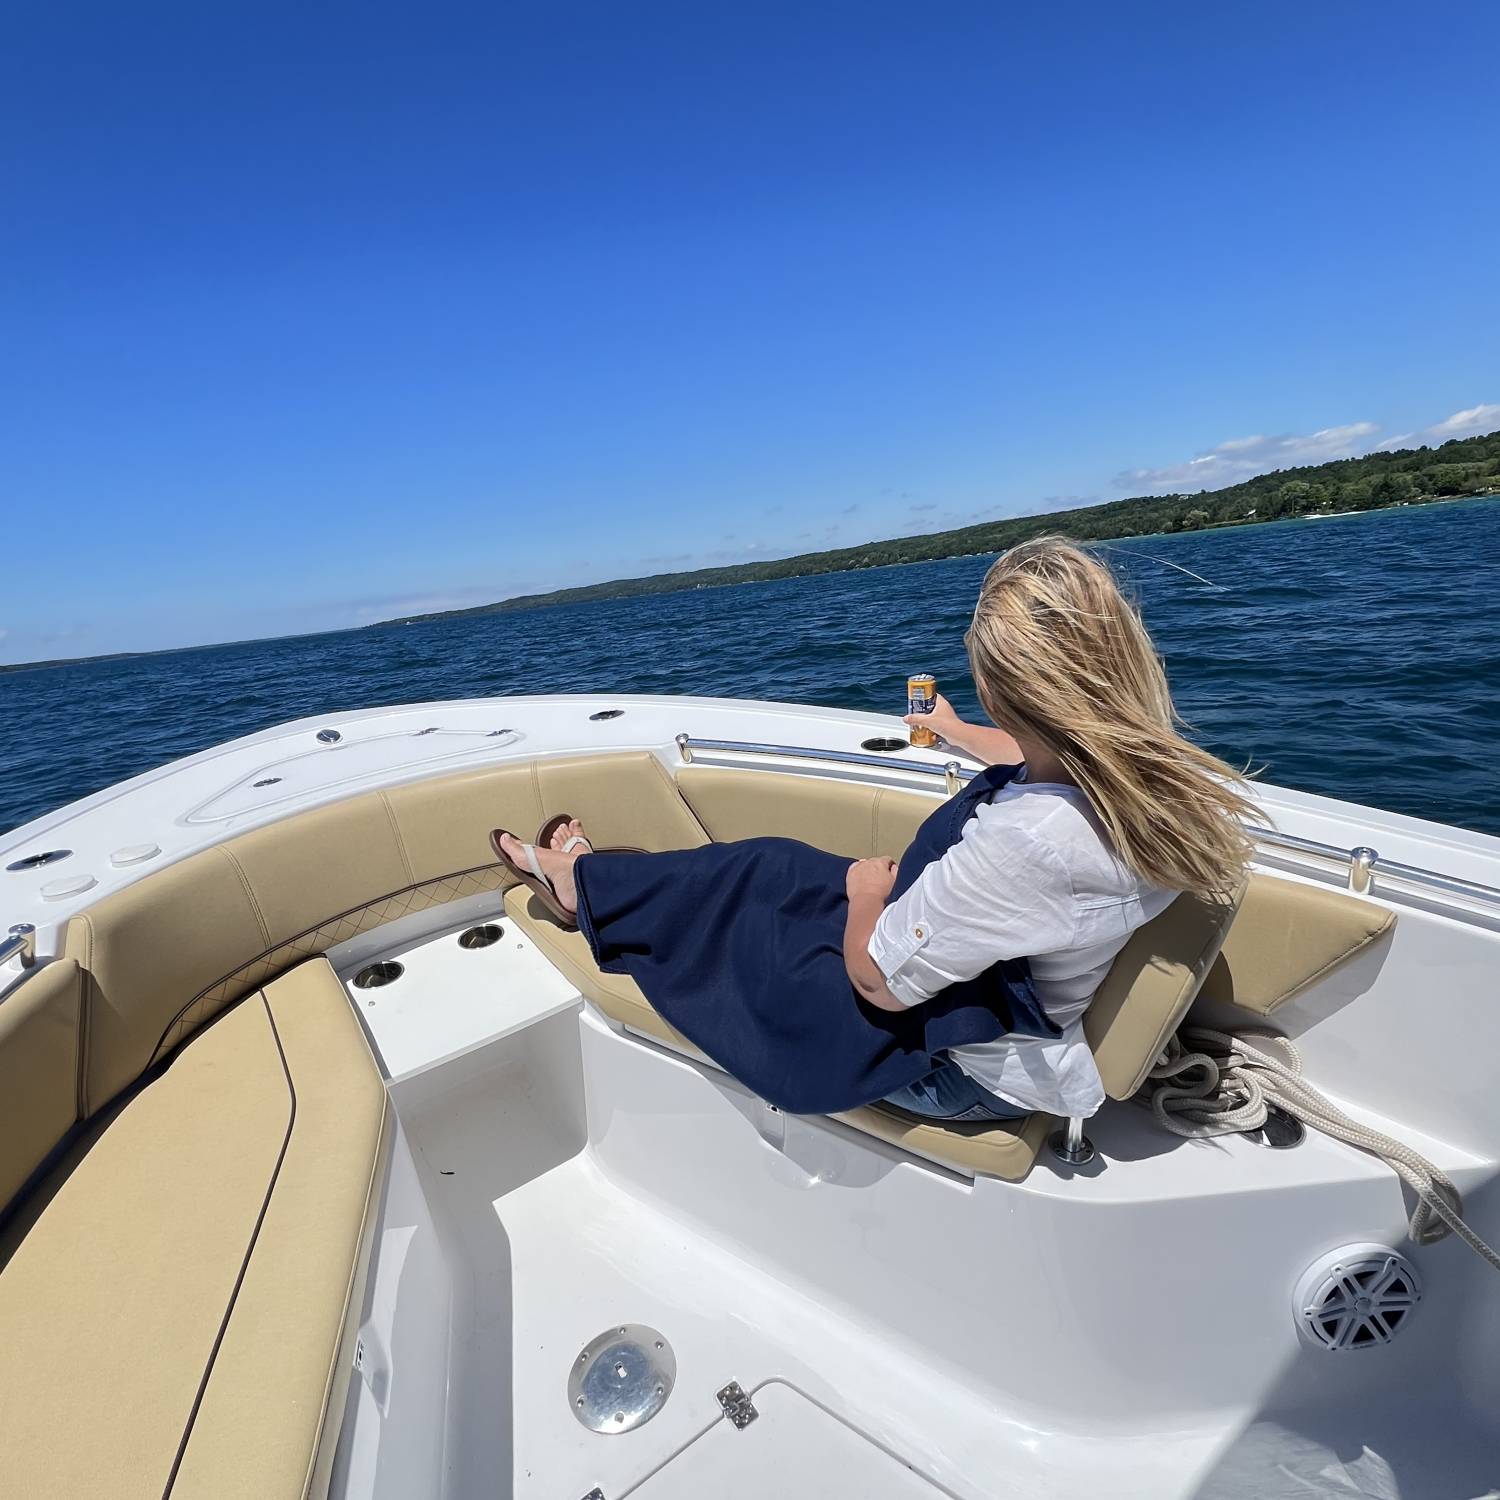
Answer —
(1464, 468)
(1461, 464)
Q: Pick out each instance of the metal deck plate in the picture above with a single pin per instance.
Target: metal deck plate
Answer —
(622, 1378)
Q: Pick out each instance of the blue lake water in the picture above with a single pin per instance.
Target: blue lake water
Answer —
(1357, 657)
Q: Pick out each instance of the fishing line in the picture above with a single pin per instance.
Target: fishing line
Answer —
(1135, 552)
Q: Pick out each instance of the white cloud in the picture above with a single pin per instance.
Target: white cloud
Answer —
(1242, 458)
(1471, 422)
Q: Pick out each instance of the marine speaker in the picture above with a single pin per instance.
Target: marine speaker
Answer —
(1358, 1297)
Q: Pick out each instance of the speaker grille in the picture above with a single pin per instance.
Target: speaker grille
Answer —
(1359, 1297)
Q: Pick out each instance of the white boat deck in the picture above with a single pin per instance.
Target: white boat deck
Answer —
(895, 1324)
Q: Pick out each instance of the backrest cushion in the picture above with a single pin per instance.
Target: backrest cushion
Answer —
(1150, 986)
(41, 1050)
(839, 816)
(167, 953)
(1286, 935)
(150, 948)
(622, 799)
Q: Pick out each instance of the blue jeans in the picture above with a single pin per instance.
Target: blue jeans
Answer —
(948, 1093)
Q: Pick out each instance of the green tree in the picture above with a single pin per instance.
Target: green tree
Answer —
(1195, 520)
(1392, 488)
(1294, 497)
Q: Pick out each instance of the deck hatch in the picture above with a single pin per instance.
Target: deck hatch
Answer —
(795, 1449)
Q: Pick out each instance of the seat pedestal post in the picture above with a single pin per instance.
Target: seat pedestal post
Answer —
(1071, 1145)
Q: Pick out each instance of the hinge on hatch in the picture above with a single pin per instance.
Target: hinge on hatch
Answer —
(737, 1405)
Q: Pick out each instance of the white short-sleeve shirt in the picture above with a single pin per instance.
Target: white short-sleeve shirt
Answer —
(1032, 876)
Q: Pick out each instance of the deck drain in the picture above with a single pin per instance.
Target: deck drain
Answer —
(374, 976)
(622, 1378)
(36, 861)
(481, 937)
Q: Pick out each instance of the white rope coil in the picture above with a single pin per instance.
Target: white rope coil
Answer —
(1209, 1083)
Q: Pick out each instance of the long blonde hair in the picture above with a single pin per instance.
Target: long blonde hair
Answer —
(1062, 660)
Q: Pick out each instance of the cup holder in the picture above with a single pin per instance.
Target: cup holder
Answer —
(884, 743)
(376, 976)
(481, 937)
(606, 713)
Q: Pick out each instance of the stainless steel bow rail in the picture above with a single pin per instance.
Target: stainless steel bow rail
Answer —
(19, 942)
(1360, 865)
(953, 772)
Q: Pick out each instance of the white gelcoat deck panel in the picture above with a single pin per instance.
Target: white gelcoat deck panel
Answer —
(452, 1000)
(793, 1450)
(585, 1256)
(345, 765)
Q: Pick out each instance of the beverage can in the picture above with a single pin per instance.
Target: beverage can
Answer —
(921, 698)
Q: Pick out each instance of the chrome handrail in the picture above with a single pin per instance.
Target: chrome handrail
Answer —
(1361, 864)
(21, 941)
(953, 772)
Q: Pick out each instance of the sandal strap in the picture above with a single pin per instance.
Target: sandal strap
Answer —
(577, 841)
(536, 864)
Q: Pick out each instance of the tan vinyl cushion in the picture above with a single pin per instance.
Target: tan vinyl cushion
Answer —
(839, 816)
(1150, 986)
(278, 1380)
(627, 799)
(111, 1304)
(41, 1041)
(323, 861)
(1286, 936)
(617, 995)
(164, 954)
(149, 948)
(1003, 1150)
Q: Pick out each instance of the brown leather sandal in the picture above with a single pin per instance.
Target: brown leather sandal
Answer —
(530, 875)
(551, 825)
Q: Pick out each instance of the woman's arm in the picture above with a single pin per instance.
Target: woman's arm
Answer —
(983, 741)
(869, 882)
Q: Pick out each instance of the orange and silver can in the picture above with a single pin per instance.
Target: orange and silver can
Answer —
(921, 698)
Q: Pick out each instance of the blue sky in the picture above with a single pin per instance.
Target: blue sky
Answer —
(313, 315)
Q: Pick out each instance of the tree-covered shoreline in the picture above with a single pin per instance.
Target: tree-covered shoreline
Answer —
(1376, 481)
(1412, 476)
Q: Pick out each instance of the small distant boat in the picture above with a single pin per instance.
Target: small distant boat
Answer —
(336, 1169)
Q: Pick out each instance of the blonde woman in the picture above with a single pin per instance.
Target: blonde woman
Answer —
(952, 986)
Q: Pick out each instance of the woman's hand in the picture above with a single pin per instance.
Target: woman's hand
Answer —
(869, 882)
(995, 747)
(942, 721)
(870, 878)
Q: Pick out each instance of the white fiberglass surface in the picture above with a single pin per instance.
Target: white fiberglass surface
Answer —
(308, 772)
(1124, 1330)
